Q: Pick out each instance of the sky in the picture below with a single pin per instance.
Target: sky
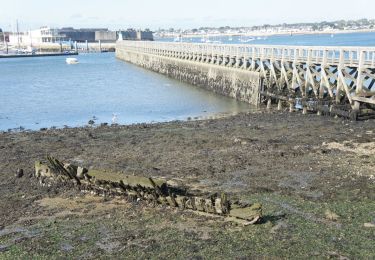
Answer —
(154, 14)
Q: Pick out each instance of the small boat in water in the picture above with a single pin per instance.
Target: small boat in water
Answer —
(71, 61)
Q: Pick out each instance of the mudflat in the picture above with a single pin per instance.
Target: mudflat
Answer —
(314, 175)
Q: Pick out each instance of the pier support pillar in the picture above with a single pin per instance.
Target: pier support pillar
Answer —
(100, 46)
(279, 105)
(269, 103)
(87, 46)
(304, 110)
(355, 111)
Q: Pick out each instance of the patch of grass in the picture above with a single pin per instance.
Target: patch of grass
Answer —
(292, 228)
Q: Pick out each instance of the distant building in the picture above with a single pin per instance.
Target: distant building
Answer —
(103, 35)
(145, 35)
(41, 35)
(129, 34)
(108, 36)
(133, 35)
(51, 35)
(81, 35)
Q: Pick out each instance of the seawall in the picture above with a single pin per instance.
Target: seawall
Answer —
(240, 84)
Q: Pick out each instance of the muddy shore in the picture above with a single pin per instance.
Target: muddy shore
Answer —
(314, 176)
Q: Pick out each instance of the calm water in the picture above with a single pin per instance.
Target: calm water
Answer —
(45, 92)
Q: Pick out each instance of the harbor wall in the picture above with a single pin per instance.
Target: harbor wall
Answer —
(240, 84)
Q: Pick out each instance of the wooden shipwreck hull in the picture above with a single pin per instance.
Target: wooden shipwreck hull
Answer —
(154, 191)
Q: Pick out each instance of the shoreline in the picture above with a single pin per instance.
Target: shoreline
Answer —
(265, 34)
(213, 116)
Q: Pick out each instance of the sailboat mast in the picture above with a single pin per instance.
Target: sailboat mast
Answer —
(18, 34)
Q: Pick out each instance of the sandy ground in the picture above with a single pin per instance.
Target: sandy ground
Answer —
(314, 176)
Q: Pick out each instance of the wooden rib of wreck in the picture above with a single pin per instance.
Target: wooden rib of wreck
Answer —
(152, 190)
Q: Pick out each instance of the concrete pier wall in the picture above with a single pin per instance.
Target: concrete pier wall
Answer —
(240, 84)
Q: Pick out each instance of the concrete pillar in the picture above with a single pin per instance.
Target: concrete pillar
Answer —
(87, 46)
(100, 46)
(231, 61)
(355, 111)
(304, 110)
(279, 105)
(218, 60)
(76, 46)
(238, 62)
(225, 61)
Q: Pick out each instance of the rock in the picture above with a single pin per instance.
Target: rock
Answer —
(369, 225)
(19, 173)
(279, 226)
(3, 248)
(331, 215)
(81, 172)
(42, 170)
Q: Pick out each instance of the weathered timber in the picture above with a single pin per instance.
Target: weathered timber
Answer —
(151, 190)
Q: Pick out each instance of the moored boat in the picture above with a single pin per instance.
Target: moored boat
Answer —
(71, 60)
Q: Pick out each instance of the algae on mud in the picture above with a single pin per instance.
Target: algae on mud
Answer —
(285, 161)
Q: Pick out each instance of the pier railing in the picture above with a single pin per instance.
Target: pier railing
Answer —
(316, 54)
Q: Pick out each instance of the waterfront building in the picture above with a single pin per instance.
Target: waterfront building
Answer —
(39, 36)
(103, 35)
(82, 34)
(2, 39)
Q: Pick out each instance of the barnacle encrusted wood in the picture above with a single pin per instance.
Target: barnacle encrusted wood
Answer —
(152, 190)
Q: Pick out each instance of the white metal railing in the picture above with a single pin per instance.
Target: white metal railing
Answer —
(350, 56)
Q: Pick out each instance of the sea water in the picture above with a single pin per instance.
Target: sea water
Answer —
(45, 92)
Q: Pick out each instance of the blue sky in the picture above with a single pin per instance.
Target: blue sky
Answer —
(154, 14)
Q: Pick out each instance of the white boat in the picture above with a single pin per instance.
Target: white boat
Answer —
(71, 61)
(245, 39)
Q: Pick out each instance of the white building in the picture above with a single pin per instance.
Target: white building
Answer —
(36, 37)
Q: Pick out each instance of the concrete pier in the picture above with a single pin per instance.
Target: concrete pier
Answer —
(328, 80)
(242, 85)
